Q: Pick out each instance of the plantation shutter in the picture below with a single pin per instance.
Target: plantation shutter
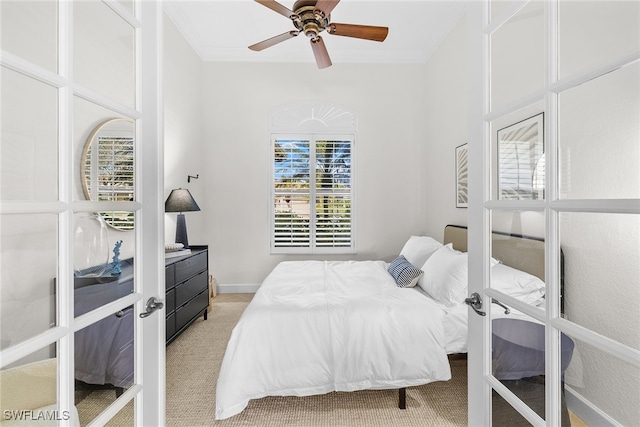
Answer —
(333, 193)
(312, 205)
(292, 173)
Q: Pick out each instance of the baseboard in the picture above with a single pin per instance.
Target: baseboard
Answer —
(585, 410)
(237, 288)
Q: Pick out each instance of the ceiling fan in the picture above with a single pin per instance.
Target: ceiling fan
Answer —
(311, 17)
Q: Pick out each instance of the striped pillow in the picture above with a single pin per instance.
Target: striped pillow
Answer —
(404, 273)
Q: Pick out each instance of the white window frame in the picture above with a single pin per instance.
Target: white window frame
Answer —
(312, 120)
(312, 192)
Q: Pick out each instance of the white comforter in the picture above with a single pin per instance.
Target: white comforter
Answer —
(320, 326)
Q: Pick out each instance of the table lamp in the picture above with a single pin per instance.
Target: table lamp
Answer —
(181, 200)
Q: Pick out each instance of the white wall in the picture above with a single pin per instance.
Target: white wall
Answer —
(184, 143)
(446, 115)
(393, 159)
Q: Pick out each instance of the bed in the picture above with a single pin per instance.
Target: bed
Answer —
(315, 327)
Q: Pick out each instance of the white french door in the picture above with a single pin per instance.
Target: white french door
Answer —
(72, 285)
(573, 68)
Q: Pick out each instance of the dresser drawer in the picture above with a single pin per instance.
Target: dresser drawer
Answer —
(171, 300)
(170, 326)
(185, 291)
(187, 312)
(190, 266)
(169, 276)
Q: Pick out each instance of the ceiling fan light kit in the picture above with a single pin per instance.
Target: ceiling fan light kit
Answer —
(311, 17)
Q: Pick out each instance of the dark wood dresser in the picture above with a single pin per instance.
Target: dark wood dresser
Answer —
(187, 297)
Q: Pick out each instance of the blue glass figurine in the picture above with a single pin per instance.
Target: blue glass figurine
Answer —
(115, 265)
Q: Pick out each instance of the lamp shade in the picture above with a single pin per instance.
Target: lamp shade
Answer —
(180, 200)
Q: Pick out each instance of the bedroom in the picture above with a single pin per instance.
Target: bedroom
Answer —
(429, 120)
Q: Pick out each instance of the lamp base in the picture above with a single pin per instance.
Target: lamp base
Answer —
(181, 231)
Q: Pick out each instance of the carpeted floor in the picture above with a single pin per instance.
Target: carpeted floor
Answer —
(194, 359)
(193, 362)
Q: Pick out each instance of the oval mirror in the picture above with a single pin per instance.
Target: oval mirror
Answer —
(107, 169)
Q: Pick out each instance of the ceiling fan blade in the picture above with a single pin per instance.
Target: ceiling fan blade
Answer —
(320, 52)
(326, 6)
(273, 40)
(367, 32)
(277, 7)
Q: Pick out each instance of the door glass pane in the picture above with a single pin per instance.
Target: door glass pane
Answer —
(518, 361)
(601, 271)
(28, 243)
(29, 390)
(29, 29)
(497, 8)
(521, 160)
(126, 416)
(606, 386)
(518, 56)
(594, 33)
(104, 146)
(104, 363)
(29, 150)
(504, 414)
(128, 5)
(598, 134)
(103, 262)
(518, 155)
(518, 256)
(104, 52)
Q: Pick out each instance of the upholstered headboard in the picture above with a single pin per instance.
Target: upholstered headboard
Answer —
(521, 252)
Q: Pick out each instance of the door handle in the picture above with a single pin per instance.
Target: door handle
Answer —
(153, 304)
(475, 302)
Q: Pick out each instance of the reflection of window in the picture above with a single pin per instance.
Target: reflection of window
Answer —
(115, 169)
(108, 169)
(521, 163)
(312, 194)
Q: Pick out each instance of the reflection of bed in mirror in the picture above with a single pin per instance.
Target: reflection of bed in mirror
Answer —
(306, 310)
(518, 341)
(104, 350)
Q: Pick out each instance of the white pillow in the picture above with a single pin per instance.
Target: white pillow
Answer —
(516, 283)
(419, 248)
(445, 276)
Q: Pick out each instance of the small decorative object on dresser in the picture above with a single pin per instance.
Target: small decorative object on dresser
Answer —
(187, 284)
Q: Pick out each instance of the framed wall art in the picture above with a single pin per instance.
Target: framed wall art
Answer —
(462, 177)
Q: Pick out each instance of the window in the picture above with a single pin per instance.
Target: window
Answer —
(312, 194)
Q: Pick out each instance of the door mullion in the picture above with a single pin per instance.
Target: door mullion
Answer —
(65, 294)
(552, 232)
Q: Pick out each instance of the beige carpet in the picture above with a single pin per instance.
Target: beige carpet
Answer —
(194, 359)
(193, 362)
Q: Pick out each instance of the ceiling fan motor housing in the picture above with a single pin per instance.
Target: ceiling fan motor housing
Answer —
(309, 20)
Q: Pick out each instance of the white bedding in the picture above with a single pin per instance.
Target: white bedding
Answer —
(319, 326)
